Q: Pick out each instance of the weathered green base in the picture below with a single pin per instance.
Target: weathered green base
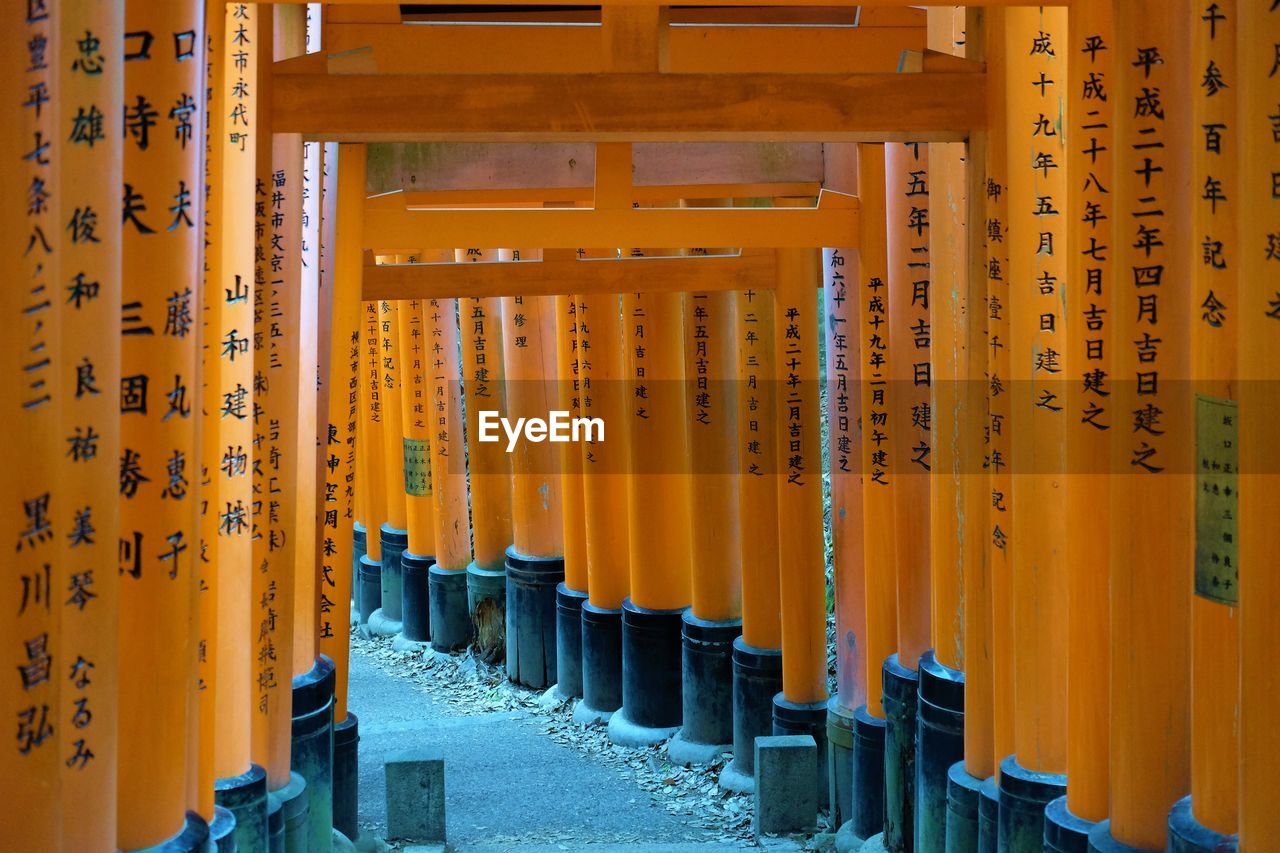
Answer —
(294, 809)
(312, 747)
(245, 796)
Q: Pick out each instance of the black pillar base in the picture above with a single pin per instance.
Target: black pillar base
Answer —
(1023, 795)
(394, 541)
(222, 830)
(1188, 835)
(601, 664)
(359, 547)
(840, 761)
(569, 641)
(370, 597)
(531, 618)
(939, 744)
(901, 691)
(245, 796)
(192, 838)
(867, 800)
(1100, 841)
(1063, 831)
(757, 678)
(989, 816)
(275, 825)
(962, 810)
(651, 697)
(416, 606)
(706, 666)
(346, 776)
(809, 718)
(311, 754)
(294, 805)
(486, 610)
(447, 597)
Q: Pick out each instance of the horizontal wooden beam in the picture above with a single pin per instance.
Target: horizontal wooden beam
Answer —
(559, 49)
(927, 107)
(507, 196)
(458, 166)
(864, 3)
(753, 269)
(389, 228)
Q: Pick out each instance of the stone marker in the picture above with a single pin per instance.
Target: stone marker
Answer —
(786, 794)
(415, 796)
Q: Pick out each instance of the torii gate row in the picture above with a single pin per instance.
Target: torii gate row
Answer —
(400, 223)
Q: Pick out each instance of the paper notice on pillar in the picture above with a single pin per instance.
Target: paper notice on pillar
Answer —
(1217, 499)
(417, 467)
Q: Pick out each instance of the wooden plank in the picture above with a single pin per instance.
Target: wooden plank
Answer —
(388, 227)
(753, 269)
(926, 107)
(451, 167)
(670, 193)
(559, 49)
(788, 3)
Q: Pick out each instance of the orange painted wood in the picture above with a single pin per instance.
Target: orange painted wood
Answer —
(949, 352)
(1151, 482)
(1036, 43)
(345, 418)
(34, 387)
(602, 333)
(481, 333)
(879, 539)
(630, 107)
(910, 439)
(802, 586)
(757, 466)
(998, 450)
(1259, 352)
(659, 506)
(1089, 316)
(88, 178)
(1215, 630)
(158, 515)
(570, 393)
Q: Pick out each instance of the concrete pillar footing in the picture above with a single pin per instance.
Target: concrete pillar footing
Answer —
(625, 733)
(847, 839)
(733, 779)
(380, 626)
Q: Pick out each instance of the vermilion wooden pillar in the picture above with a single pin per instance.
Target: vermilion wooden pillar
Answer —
(535, 560)
(941, 701)
(659, 518)
(387, 619)
(1151, 444)
(757, 654)
(843, 410)
(344, 418)
(88, 169)
(879, 543)
(1208, 818)
(450, 618)
(910, 450)
(1259, 351)
(571, 594)
(602, 333)
(801, 707)
(1035, 44)
(159, 391)
(1091, 291)
(999, 449)
(713, 621)
(420, 507)
(240, 785)
(36, 516)
(480, 331)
